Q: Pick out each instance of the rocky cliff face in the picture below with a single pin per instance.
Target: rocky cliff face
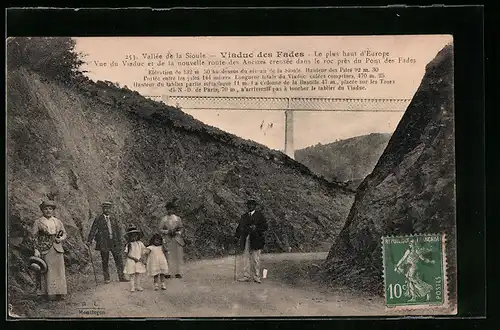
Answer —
(411, 189)
(346, 160)
(92, 142)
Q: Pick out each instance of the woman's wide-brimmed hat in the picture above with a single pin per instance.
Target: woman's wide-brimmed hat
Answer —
(48, 203)
(133, 230)
(38, 265)
(171, 205)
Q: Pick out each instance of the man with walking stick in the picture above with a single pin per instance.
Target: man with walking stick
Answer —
(250, 236)
(107, 232)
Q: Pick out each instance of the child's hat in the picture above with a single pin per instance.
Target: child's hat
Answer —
(38, 264)
(46, 203)
(133, 230)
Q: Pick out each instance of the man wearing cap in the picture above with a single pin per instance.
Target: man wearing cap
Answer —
(250, 236)
(106, 231)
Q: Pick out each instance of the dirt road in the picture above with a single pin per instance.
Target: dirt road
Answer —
(208, 290)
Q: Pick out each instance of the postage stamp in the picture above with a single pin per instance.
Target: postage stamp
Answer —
(415, 271)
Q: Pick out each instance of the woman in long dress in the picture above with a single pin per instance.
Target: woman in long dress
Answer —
(172, 228)
(415, 286)
(48, 234)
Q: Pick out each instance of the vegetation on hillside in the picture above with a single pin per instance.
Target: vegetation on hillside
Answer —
(53, 57)
(345, 160)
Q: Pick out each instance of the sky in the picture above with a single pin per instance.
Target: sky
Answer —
(267, 127)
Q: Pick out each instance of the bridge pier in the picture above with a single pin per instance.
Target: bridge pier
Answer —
(289, 149)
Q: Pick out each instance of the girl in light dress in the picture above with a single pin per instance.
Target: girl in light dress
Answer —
(135, 251)
(157, 265)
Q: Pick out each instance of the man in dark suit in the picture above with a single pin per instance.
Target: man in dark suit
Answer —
(250, 236)
(107, 232)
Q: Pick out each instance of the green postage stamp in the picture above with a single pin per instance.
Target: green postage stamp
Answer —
(415, 271)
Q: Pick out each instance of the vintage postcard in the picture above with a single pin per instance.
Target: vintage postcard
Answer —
(276, 176)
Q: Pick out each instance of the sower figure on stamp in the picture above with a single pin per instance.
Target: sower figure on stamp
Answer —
(416, 287)
(250, 236)
(107, 232)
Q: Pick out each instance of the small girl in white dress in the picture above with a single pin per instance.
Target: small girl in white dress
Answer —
(157, 265)
(135, 250)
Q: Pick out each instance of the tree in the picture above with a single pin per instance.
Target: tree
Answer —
(53, 57)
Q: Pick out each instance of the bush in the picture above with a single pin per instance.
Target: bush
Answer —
(53, 57)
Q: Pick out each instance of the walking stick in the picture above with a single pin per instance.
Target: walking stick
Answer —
(93, 267)
(235, 256)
